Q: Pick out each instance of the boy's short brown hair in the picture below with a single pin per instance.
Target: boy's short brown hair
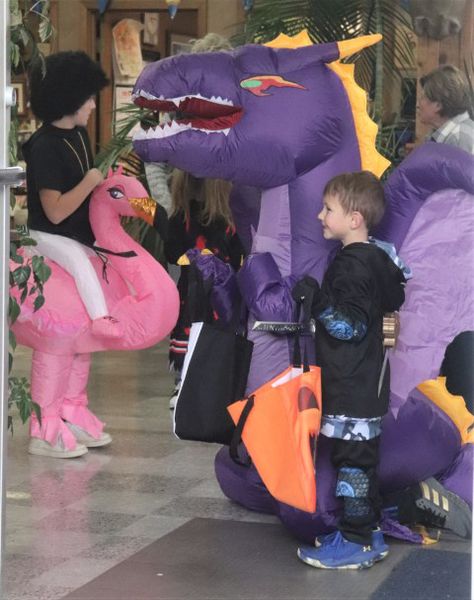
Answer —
(361, 192)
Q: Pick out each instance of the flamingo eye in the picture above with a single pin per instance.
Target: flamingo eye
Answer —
(116, 193)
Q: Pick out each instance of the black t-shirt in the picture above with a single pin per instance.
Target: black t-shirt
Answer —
(58, 159)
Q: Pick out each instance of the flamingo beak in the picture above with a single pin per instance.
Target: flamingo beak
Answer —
(145, 208)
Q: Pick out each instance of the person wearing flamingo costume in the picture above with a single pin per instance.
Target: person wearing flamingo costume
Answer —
(140, 295)
(61, 175)
(77, 318)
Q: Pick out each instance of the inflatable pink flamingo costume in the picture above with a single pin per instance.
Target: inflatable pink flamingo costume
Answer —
(139, 294)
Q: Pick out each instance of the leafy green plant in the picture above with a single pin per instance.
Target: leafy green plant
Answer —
(26, 279)
(26, 16)
(29, 21)
(334, 20)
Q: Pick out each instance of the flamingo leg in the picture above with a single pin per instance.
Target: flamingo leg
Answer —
(74, 407)
(49, 382)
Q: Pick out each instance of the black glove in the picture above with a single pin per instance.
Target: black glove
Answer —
(304, 288)
(307, 291)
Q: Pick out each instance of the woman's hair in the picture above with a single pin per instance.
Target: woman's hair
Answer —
(212, 194)
(449, 86)
(361, 192)
(61, 84)
(212, 42)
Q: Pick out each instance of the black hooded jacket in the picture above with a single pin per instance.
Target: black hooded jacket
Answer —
(360, 285)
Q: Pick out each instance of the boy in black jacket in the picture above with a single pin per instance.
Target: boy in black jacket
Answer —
(365, 280)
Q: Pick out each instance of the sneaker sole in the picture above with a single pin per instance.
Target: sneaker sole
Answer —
(87, 440)
(37, 450)
(366, 564)
(380, 556)
(99, 443)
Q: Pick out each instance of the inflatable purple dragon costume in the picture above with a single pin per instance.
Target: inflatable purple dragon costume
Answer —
(286, 121)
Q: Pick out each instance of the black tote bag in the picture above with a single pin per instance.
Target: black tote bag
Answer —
(214, 375)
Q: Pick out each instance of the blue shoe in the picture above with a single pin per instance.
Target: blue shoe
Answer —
(378, 542)
(336, 552)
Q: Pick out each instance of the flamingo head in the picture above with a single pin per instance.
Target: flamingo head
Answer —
(126, 195)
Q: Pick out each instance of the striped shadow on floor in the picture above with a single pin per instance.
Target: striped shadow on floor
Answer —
(234, 560)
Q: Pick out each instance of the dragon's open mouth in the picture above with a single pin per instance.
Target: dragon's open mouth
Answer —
(211, 115)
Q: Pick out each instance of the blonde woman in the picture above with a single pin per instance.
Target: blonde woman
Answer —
(200, 218)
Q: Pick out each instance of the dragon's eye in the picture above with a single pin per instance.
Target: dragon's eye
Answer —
(115, 193)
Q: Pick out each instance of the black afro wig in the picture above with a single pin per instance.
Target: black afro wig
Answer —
(61, 85)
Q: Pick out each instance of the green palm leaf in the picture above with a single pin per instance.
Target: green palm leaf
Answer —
(333, 20)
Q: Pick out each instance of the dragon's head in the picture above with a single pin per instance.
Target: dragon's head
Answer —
(257, 115)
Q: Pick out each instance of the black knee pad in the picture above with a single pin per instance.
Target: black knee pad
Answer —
(352, 483)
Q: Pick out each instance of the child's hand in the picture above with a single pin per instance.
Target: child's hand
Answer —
(94, 177)
(304, 288)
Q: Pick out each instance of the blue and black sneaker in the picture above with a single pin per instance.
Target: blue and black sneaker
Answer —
(335, 552)
(378, 542)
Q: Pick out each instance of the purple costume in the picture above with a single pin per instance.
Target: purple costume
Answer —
(290, 129)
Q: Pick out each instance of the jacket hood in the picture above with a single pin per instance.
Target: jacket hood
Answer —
(388, 276)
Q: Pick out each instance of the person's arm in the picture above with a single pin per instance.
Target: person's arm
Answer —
(236, 252)
(176, 243)
(58, 207)
(157, 176)
(343, 307)
(344, 310)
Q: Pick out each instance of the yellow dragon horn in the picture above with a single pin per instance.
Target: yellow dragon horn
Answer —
(349, 47)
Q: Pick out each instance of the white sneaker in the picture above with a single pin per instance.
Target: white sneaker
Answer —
(42, 448)
(88, 440)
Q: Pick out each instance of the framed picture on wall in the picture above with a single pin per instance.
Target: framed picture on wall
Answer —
(19, 87)
(179, 44)
(151, 25)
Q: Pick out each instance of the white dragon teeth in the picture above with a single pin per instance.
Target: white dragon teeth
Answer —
(172, 129)
(220, 100)
(161, 132)
(178, 99)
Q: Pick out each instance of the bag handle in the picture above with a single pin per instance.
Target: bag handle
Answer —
(237, 434)
(297, 347)
(199, 291)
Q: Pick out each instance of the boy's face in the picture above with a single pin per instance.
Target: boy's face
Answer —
(81, 116)
(337, 224)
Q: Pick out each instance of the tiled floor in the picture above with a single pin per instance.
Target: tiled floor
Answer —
(83, 526)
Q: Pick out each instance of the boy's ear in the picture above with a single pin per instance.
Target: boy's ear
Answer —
(356, 219)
